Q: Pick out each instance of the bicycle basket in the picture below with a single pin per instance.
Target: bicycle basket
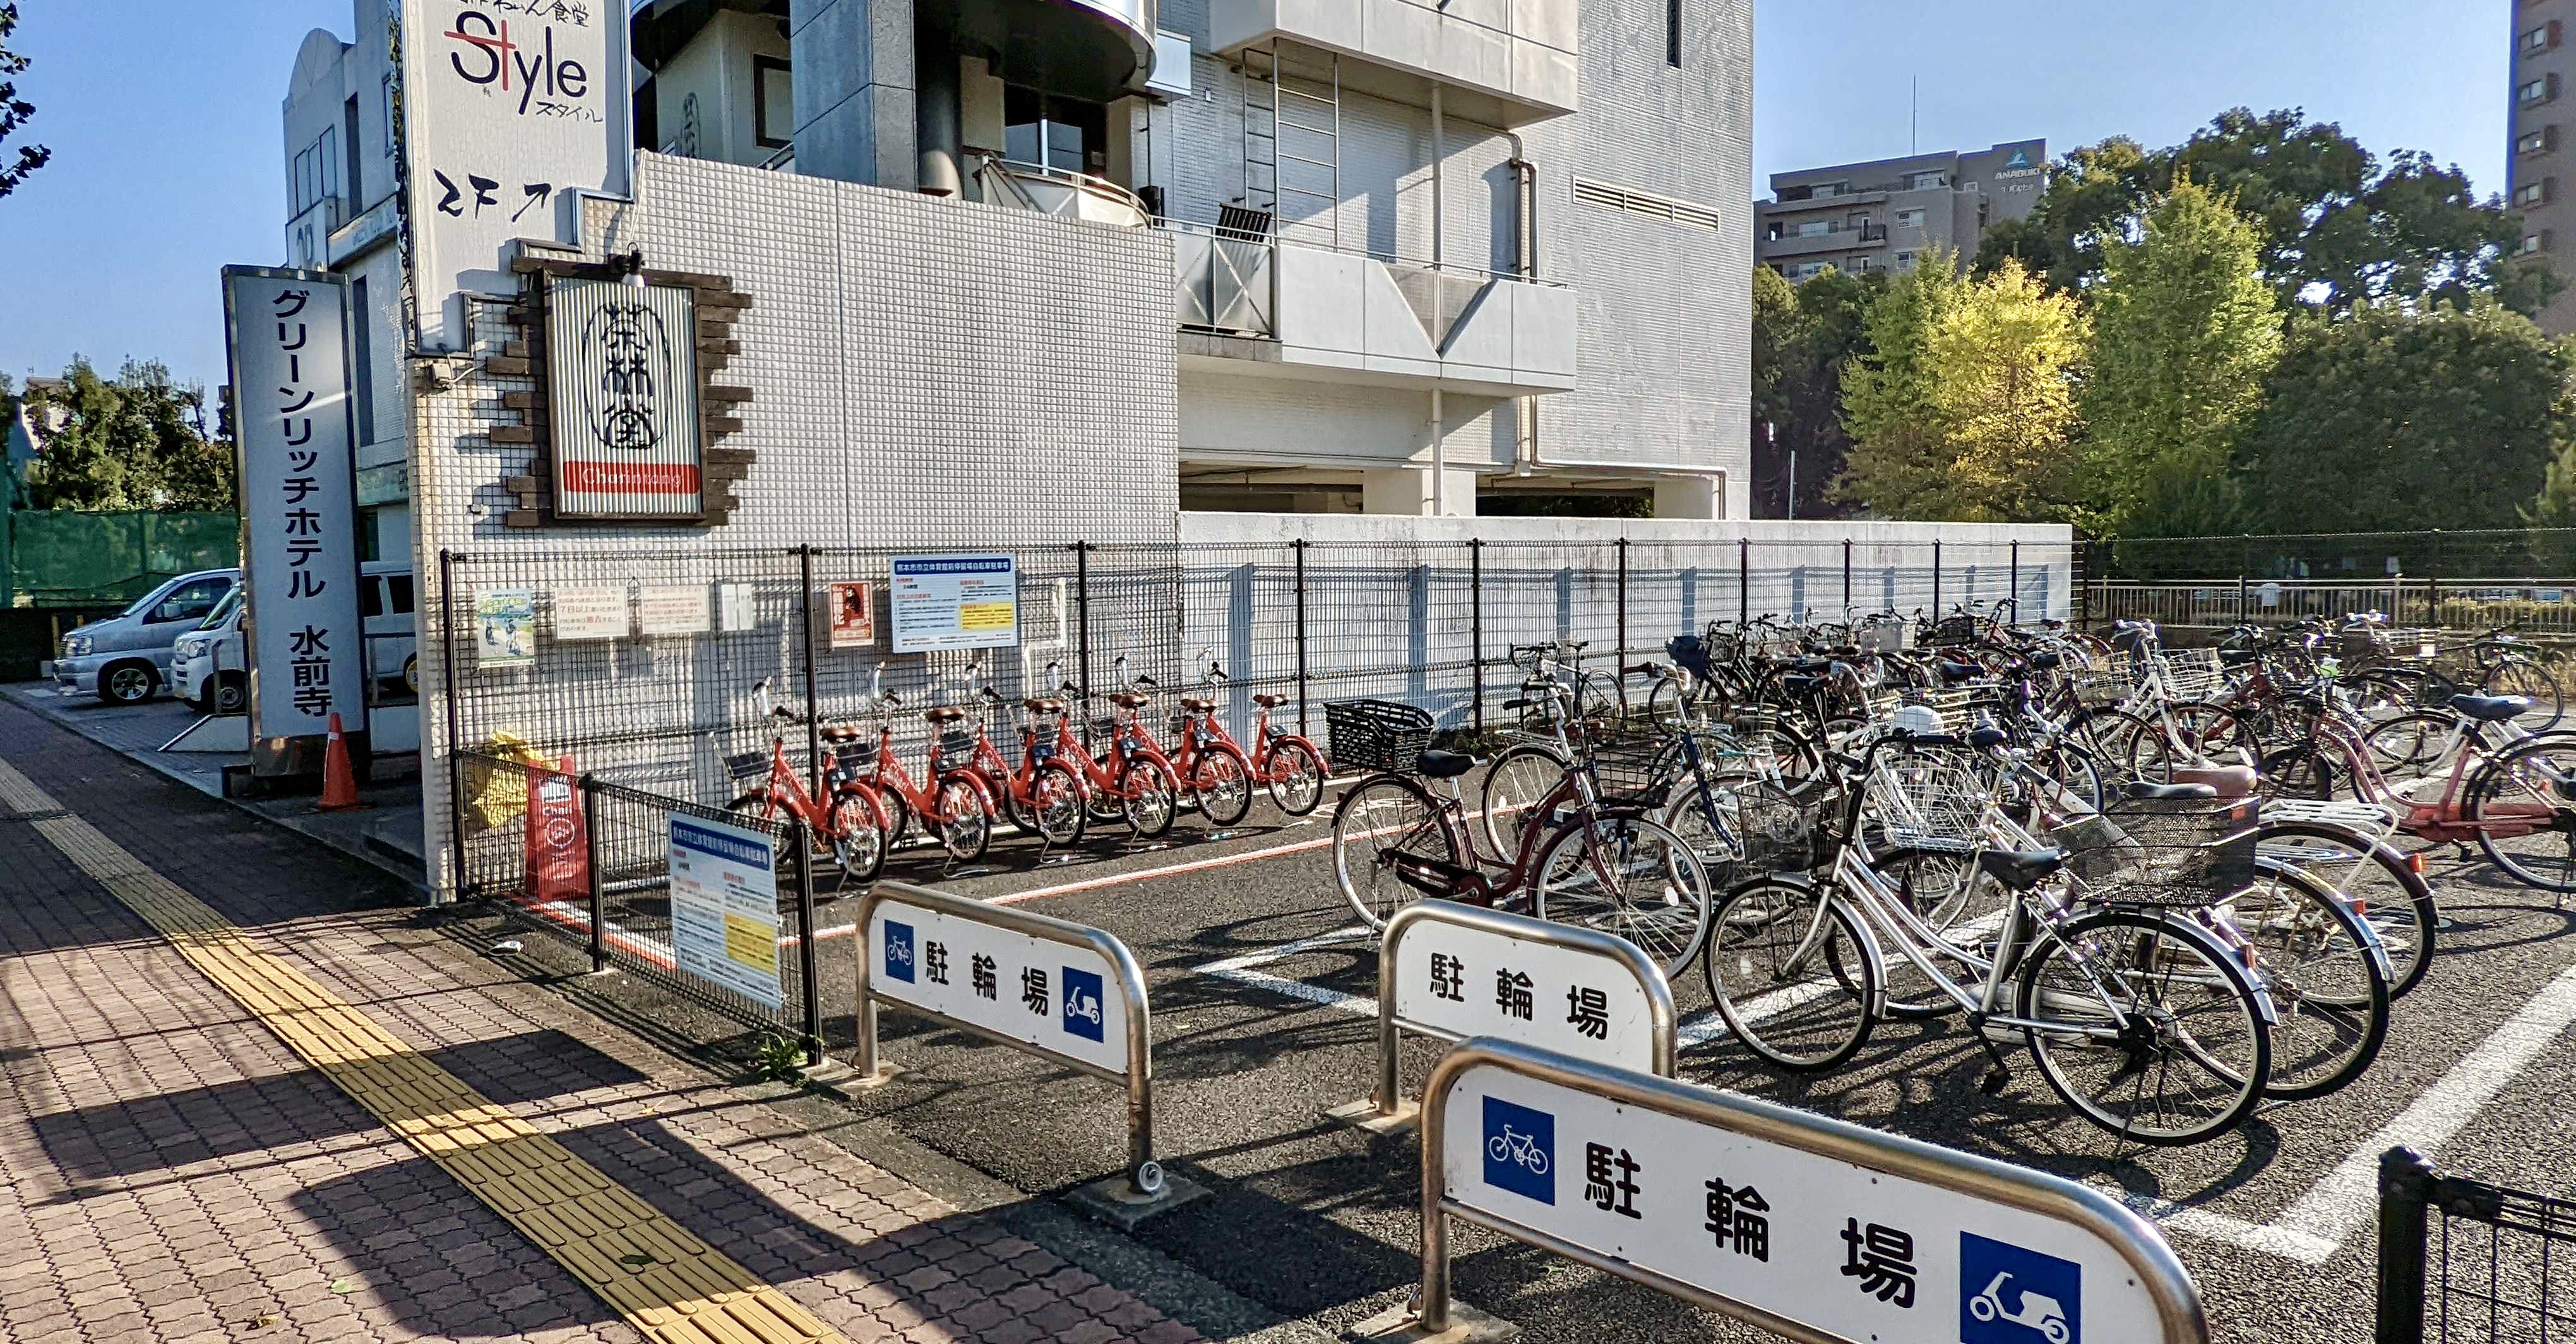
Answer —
(1926, 798)
(2194, 674)
(2099, 690)
(1104, 728)
(1777, 830)
(1377, 734)
(2189, 853)
(1633, 770)
(746, 765)
(1690, 654)
(1951, 631)
(956, 747)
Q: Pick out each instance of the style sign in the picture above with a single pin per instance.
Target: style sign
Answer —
(1058, 998)
(622, 380)
(509, 110)
(724, 907)
(287, 339)
(677, 610)
(854, 617)
(591, 613)
(505, 627)
(1843, 1249)
(955, 602)
(1455, 981)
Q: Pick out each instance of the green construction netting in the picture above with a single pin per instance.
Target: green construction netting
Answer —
(61, 558)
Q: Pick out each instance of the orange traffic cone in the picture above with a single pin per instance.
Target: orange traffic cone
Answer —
(339, 782)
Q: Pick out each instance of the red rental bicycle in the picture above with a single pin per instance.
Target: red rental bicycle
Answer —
(1215, 776)
(849, 831)
(1135, 783)
(1284, 761)
(950, 798)
(1043, 796)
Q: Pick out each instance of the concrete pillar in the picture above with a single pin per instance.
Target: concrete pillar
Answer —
(1408, 490)
(1690, 496)
(855, 104)
(937, 123)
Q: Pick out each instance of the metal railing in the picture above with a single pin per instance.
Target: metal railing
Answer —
(2489, 1273)
(1058, 192)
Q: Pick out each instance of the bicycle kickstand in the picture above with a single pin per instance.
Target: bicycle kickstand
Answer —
(1996, 1079)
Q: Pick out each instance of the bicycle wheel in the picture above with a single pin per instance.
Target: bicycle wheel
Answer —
(2532, 785)
(2187, 1052)
(1223, 783)
(2409, 743)
(1149, 801)
(2379, 883)
(770, 809)
(1939, 886)
(1386, 816)
(966, 826)
(1055, 805)
(1668, 708)
(1793, 975)
(1513, 786)
(2517, 674)
(2301, 771)
(1296, 777)
(1630, 877)
(2328, 986)
(859, 838)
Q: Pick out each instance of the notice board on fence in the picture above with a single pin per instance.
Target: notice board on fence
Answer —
(954, 602)
(724, 907)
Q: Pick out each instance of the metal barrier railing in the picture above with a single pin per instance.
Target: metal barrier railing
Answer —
(2487, 1277)
(1618, 1008)
(1862, 1234)
(972, 966)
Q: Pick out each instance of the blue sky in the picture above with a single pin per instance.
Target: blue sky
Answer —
(162, 115)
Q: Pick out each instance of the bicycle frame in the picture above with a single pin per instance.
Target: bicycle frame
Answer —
(2436, 819)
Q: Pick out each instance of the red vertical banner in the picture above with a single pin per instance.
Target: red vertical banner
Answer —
(558, 837)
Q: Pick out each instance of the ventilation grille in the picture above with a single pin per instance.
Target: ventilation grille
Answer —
(1645, 203)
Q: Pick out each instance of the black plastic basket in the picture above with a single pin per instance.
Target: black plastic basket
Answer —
(1376, 734)
(2187, 853)
(1952, 631)
(746, 764)
(1633, 769)
(957, 748)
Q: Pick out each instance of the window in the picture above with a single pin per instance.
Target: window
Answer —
(1930, 181)
(1673, 33)
(390, 122)
(1857, 264)
(1815, 228)
(2532, 93)
(773, 103)
(1909, 219)
(1905, 261)
(361, 365)
(191, 601)
(349, 137)
(2540, 141)
(1053, 132)
(2540, 39)
(400, 586)
(2537, 193)
(371, 598)
(317, 171)
(2535, 242)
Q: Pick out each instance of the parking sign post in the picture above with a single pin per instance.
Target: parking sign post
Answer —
(1800, 1224)
(1068, 993)
(1452, 971)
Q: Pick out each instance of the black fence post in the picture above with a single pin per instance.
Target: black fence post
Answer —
(2012, 582)
(805, 622)
(1743, 581)
(1082, 608)
(2405, 1189)
(1936, 580)
(1299, 545)
(590, 865)
(455, 730)
(1847, 576)
(1621, 663)
(798, 836)
(1476, 629)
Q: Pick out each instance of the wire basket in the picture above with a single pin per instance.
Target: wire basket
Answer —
(2189, 853)
(1377, 734)
(1921, 798)
(955, 747)
(1951, 631)
(2194, 674)
(1633, 769)
(746, 764)
(2099, 689)
(1778, 830)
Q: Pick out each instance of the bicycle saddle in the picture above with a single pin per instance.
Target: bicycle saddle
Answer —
(1195, 706)
(1986, 737)
(1799, 685)
(2492, 708)
(2021, 869)
(1129, 700)
(1444, 764)
(840, 732)
(2144, 792)
(2041, 660)
(1043, 706)
(1270, 701)
(944, 714)
(1954, 673)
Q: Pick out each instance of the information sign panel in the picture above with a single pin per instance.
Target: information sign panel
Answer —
(595, 612)
(1053, 996)
(955, 602)
(1839, 1247)
(724, 907)
(1458, 981)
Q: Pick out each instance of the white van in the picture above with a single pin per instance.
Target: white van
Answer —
(386, 599)
(206, 665)
(208, 669)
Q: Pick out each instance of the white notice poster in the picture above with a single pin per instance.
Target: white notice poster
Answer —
(724, 907)
(680, 610)
(597, 612)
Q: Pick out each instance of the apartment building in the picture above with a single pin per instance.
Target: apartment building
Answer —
(2537, 174)
(1885, 215)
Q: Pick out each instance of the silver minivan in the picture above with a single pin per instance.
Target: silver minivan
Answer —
(125, 659)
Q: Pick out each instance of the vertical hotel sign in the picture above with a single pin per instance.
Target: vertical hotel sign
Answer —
(509, 108)
(622, 379)
(287, 334)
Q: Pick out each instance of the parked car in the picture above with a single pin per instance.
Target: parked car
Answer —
(207, 668)
(125, 659)
(385, 602)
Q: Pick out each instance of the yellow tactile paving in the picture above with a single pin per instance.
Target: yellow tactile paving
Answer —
(671, 1285)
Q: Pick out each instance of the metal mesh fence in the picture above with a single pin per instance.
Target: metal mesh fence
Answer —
(2464, 1260)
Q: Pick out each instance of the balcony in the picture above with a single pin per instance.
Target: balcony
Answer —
(1814, 244)
(1501, 62)
(1261, 306)
(1058, 192)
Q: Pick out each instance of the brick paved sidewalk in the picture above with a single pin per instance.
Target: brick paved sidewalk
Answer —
(170, 1170)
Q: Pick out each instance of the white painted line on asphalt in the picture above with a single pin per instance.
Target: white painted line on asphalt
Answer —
(1175, 870)
(1239, 970)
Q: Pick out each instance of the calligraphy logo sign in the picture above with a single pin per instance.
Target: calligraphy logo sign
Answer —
(622, 362)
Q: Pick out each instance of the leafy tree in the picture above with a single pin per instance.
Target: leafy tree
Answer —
(1803, 335)
(14, 110)
(1899, 461)
(135, 441)
(2003, 364)
(2341, 225)
(2391, 419)
(2185, 331)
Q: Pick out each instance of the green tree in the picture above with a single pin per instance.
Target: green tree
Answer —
(1898, 466)
(14, 110)
(2341, 225)
(2185, 331)
(2003, 365)
(1803, 335)
(2391, 419)
(135, 441)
